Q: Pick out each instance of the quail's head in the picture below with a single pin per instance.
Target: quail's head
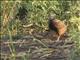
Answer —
(52, 16)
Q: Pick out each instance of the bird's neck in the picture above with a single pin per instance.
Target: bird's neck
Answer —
(50, 21)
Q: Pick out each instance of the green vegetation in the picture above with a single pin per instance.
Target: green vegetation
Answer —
(67, 11)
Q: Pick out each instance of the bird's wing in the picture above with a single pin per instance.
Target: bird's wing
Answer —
(58, 24)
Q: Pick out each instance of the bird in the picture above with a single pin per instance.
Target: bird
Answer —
(56, 25)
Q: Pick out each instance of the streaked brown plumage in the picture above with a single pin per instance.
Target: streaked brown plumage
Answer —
(57, 26)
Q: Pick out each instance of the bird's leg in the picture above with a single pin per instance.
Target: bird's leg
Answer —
(58, 38)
